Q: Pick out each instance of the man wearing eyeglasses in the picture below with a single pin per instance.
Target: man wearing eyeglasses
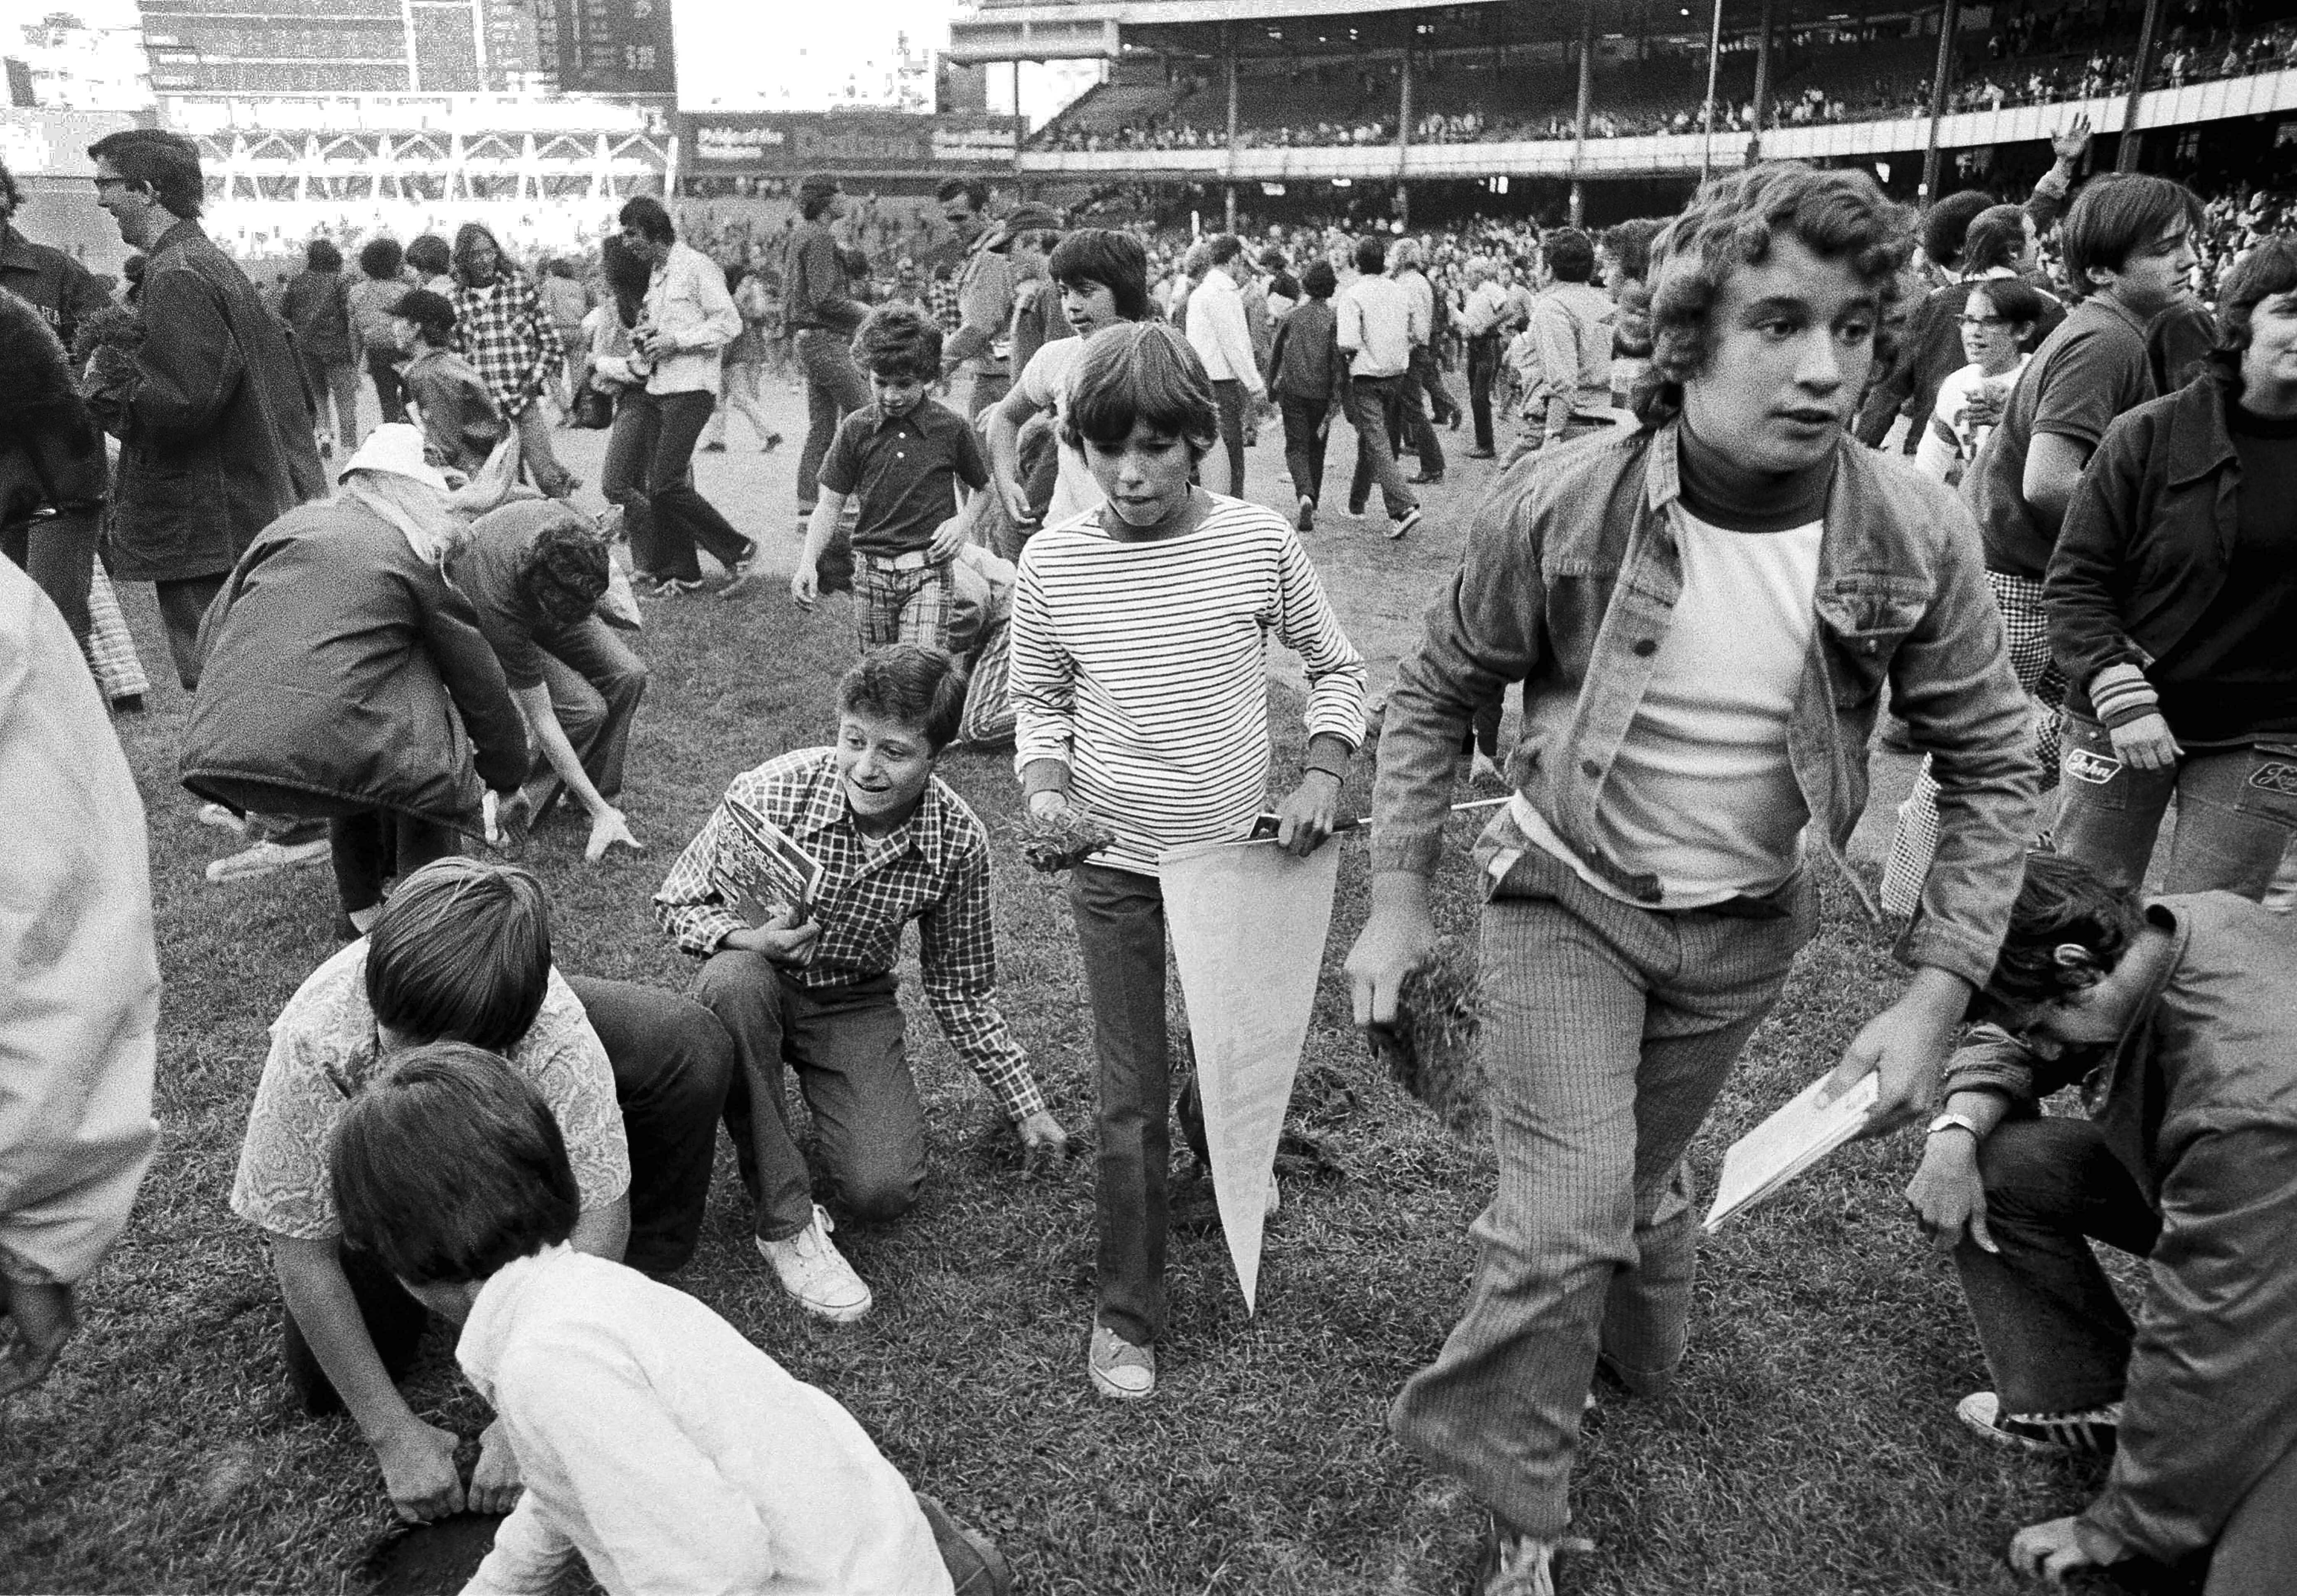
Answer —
(210, 409)
(2178, 1019)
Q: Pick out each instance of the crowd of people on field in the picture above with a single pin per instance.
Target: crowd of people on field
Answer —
(1781, 477)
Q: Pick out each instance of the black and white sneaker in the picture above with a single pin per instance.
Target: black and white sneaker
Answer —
(1307, 521)
(1400, 527)
(2093, 1431)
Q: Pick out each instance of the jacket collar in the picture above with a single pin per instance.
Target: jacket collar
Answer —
(15, 250)
(826, 808)
(2200, 443)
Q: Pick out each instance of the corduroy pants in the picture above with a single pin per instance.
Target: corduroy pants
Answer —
(1607, 1030)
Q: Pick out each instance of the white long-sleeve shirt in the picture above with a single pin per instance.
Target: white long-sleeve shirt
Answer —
(1141, 665)
(79, 1007)
(1220, 334)
(677, 1459)
(694, 317)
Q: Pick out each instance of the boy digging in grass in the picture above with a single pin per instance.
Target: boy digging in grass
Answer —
(902, 455)
(817, 994)
(655, 1443)
(1139, 674)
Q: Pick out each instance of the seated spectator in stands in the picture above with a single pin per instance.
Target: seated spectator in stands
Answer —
(2170, 599)
(2178, 1018)
(462, 424)
(634, 1077)
(1999, 320)
(534, 572)
(346, 679)
(812, 986)
(452, 1174)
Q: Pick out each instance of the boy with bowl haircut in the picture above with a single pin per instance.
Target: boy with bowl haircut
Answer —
(1701, 612)
(636, 1078)
(462, 424)
(818, 993)
(901, 457)
(657, 1444)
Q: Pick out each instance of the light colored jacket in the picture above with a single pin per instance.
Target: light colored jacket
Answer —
(694, 320)
(82, 1007)
(1220, 334)
(1571, 331)
(1570, 575)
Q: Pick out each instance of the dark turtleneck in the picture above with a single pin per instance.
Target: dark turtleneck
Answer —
(1722, 492)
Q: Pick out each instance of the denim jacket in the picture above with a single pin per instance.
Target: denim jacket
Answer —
(1568, 582)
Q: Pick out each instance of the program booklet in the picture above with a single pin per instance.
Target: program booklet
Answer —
(761, 871)
(1788, 1143)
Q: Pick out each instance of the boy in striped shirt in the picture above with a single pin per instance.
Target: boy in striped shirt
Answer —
(1139, 678)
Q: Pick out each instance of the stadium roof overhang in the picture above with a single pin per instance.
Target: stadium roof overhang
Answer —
(1292, 27)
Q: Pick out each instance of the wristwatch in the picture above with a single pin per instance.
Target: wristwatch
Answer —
(1955, 1121)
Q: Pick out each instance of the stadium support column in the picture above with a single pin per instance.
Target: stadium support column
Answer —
(1762, 84)
(2149, 41)
(1579, 125)
(1404, 137)
(1227, 50)
(1714, 62)
(1949, 22)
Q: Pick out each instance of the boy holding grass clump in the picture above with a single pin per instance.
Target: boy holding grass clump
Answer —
(656, 1445)
(1138, 677)
(901, 457)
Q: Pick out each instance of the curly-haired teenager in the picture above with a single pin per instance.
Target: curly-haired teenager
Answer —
(1702, 611)
(900, 457)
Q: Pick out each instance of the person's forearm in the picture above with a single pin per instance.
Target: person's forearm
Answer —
(1559, 414)
(1984, 1110)
(820, 530)
(318, 1298)
(603, 1231)
(559, 752)
(1004, 445)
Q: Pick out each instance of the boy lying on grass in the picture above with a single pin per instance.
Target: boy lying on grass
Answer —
(655, 1442)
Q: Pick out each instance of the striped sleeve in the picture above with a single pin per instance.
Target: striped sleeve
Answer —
(1307, 625)
(1041, 676)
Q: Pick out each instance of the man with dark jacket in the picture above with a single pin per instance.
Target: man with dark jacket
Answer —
(822, 313)
(2177, 1018)
(60, 288)
(214, 425)
(1306, 373)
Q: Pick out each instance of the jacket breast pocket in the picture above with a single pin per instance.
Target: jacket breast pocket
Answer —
(1863, 619)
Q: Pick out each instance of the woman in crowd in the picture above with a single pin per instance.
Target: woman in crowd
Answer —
(2169, 597)
(1999, 322)
(346, 679)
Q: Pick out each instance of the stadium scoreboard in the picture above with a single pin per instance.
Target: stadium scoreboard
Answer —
(615, 48)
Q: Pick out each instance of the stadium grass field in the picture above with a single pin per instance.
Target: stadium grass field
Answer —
(1810, 1446)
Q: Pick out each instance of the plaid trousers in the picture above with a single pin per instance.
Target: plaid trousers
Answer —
(901, 607)
(1915, 842)
(1607, 1030)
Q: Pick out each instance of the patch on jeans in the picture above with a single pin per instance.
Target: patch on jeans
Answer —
(2275, 776)
(2096, 769)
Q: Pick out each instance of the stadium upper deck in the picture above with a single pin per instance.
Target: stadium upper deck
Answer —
(1404, 91)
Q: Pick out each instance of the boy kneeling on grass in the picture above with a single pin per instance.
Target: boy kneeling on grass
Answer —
(656, 1444)
(2177, 1018)
(818, 990)
(902, 456)
(1139, 677)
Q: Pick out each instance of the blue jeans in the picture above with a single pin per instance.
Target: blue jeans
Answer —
(1375, 408)
(1607, 1030)
(2236, 813)
(651, 468)
(833, 387)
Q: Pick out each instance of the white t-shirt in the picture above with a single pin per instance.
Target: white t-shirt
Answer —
(1045, 383)
(1701, 793)
(1948, 439)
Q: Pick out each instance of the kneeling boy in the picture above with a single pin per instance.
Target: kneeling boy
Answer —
(895, 844)
(656, 1444)
(636, 1076)
(2177, 1018)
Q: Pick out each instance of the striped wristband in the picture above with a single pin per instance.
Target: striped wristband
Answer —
(2121, 693)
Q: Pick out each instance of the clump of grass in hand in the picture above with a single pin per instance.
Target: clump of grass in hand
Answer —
(1430, 1050)
(114, 327)
(1067, 838)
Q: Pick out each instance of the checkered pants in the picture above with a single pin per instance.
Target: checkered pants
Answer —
(2028, 627)
(111, 649)
(902, 606)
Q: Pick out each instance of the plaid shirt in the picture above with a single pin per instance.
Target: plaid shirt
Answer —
(934, 870)
(504, 331)
(942, 302)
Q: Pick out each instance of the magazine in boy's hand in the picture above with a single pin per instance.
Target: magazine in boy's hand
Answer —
(1788, 1143)
(761, 871)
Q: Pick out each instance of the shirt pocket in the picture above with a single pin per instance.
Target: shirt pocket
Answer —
(1863, 619)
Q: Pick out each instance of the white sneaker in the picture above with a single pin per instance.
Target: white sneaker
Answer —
(1120, 1369)
(816, 1274)
(267, 857)
(222, 820)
